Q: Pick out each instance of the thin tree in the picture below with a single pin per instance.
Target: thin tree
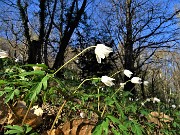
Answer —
(136, 26)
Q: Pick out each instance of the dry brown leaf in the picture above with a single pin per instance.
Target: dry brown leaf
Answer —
(78, 127)
(20, 110)
(54, 132)
(10, 118)
(158, 118)
(4, 110)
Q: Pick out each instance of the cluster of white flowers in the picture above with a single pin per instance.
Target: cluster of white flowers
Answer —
(102, 52)
(155, 99)
(136, 80)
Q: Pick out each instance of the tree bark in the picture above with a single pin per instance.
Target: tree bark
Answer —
(128, 48)
(42, 17)
(72, 23)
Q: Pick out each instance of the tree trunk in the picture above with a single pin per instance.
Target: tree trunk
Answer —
(72, 23)
(42, 17)
(128, 48)
(34, 52)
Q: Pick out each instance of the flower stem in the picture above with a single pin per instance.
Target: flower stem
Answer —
(73, 59)
(98, 99)
(112, 97)
(59, 112)
(115, 73)
(61, 107)
(103, 111)
(84, 82)
(27, 112)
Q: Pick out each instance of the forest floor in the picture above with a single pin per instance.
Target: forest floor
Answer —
(14, 114)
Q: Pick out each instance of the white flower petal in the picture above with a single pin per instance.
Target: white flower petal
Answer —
(146, 83)
(174, 106)
(136, 80)
(156, 100)
(102, 51)
(98, 59)
(128, 73)
(37, 110)
(83, 115)
(122, 85)
(107, 80)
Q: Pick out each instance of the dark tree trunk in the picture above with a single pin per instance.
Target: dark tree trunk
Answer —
(72, 23)
(128, 48)
(42, 17)
(34, 52)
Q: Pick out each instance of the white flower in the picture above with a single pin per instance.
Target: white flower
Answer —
(142, 104)
(37, 110)
(83, 115)
(136, 80)
(174, 106)
(36, 68)
(156, 100)
(122, 85)
(128, 73)
(102, 51)
(146, 83)
(107, 80)
(3, 54)
(168, 100)
(16, 60)
(148, 99)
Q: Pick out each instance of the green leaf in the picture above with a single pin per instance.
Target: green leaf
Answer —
(44, 82)
(136, 128)
(10, 132)
(102, 126)
(113, 119)
(123, 129)
(3, 82)
(9, 96)
(109, 101)
(98, 130)
(35, 90)
(16, 92)
(105, 125)
(119, 108)
(39, 65)
(2, 93)
(115, 131)
(15, 129)
(28, 128)
(37, 72)
(8, 89)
